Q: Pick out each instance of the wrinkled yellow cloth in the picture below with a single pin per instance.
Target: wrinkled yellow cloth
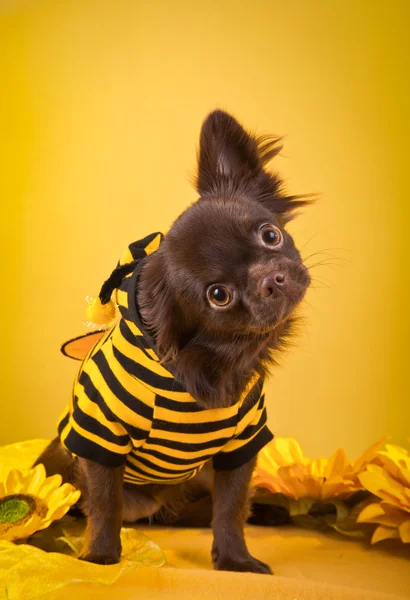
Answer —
(27, 572)
(309, 565)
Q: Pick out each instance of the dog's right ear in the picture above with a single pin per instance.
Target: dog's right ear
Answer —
(228, 155)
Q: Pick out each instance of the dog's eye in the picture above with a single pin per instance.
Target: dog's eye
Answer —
(218, 295)
(270, 235)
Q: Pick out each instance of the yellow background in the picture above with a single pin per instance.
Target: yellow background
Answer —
(101, 106)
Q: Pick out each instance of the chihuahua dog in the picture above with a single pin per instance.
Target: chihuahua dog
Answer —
(171, 399)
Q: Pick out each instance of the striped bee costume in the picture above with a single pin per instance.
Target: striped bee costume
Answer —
(127, 408)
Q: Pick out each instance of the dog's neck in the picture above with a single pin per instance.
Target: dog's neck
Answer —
(216, 368)
(213, 366)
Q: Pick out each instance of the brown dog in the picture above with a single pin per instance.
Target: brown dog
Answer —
(211, 305)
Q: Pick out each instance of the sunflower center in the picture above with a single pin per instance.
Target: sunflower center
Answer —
(13, 510)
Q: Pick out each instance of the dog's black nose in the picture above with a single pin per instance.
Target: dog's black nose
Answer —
(270, 282)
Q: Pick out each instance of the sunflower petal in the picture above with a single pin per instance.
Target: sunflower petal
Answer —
(371, 513)
(14, 481)
(37, 479)
(384, 533)
(377, 481)
(369, 454)
(49, 486)
(48, 494)
(404, 531)
(317, 467)
(337, 463)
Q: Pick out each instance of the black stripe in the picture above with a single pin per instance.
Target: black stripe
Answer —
(250, 430)
(118, 389)
(93, 426)
(99, 344)
(226, 461)
(156, 467)
(130, 286)
(135, 340)
(176, 405)
(208, 427)
(187, 447)
(252, 397)
(63, 423)
(87, 449)
(131, 469)
(132, 480)
(94, 396)
(173, 460)
(146, 375)
(137, 248)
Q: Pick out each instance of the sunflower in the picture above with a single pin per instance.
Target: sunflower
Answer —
(282, 468)
(389, 480)
(30, 501)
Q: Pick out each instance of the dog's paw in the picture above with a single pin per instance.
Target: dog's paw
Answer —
(248, 564)
(99, 559)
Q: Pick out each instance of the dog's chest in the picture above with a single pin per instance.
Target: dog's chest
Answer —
(182, 438)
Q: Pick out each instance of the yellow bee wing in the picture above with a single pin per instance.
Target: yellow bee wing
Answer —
(80, 346)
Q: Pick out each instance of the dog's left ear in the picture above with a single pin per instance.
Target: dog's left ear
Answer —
(231, 161)
(228, 153)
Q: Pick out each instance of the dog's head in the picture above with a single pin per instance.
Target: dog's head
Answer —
(227, 266)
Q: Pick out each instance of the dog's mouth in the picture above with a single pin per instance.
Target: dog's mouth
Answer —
(266, 318)
(280, 309)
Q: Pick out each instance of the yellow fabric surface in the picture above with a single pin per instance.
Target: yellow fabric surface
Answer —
(308, 565)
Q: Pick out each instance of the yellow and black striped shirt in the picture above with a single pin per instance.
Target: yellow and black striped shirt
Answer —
(127, 408)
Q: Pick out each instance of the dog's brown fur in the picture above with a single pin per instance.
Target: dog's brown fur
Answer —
(213, 352)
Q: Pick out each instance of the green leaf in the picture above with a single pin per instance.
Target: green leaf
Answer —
(310, 522)
(300, 507)
(349, 532)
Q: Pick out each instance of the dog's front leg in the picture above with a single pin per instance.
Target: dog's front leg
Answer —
(230, 511)
(102, 497)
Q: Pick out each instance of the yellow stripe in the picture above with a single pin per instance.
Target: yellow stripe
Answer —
(130, 478)
(93, 410)
(129, 382)
(206, 416)
(150, 471)
(192, 438)
(249, 386)
(153, 245)
(114, 404)
(235, 444)
(63, 415)
(138, 356)
(122, 298)
(252, 417)
(92, 437)
(170, 465)
(134, 329)
(194, 454)
(127, 257)
(120, 343)
(65, 432)
(91, 352)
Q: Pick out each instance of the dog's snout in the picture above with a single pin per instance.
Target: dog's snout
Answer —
(268, 284)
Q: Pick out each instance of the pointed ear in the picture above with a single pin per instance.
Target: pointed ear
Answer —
(229, 153)
(232, 160)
